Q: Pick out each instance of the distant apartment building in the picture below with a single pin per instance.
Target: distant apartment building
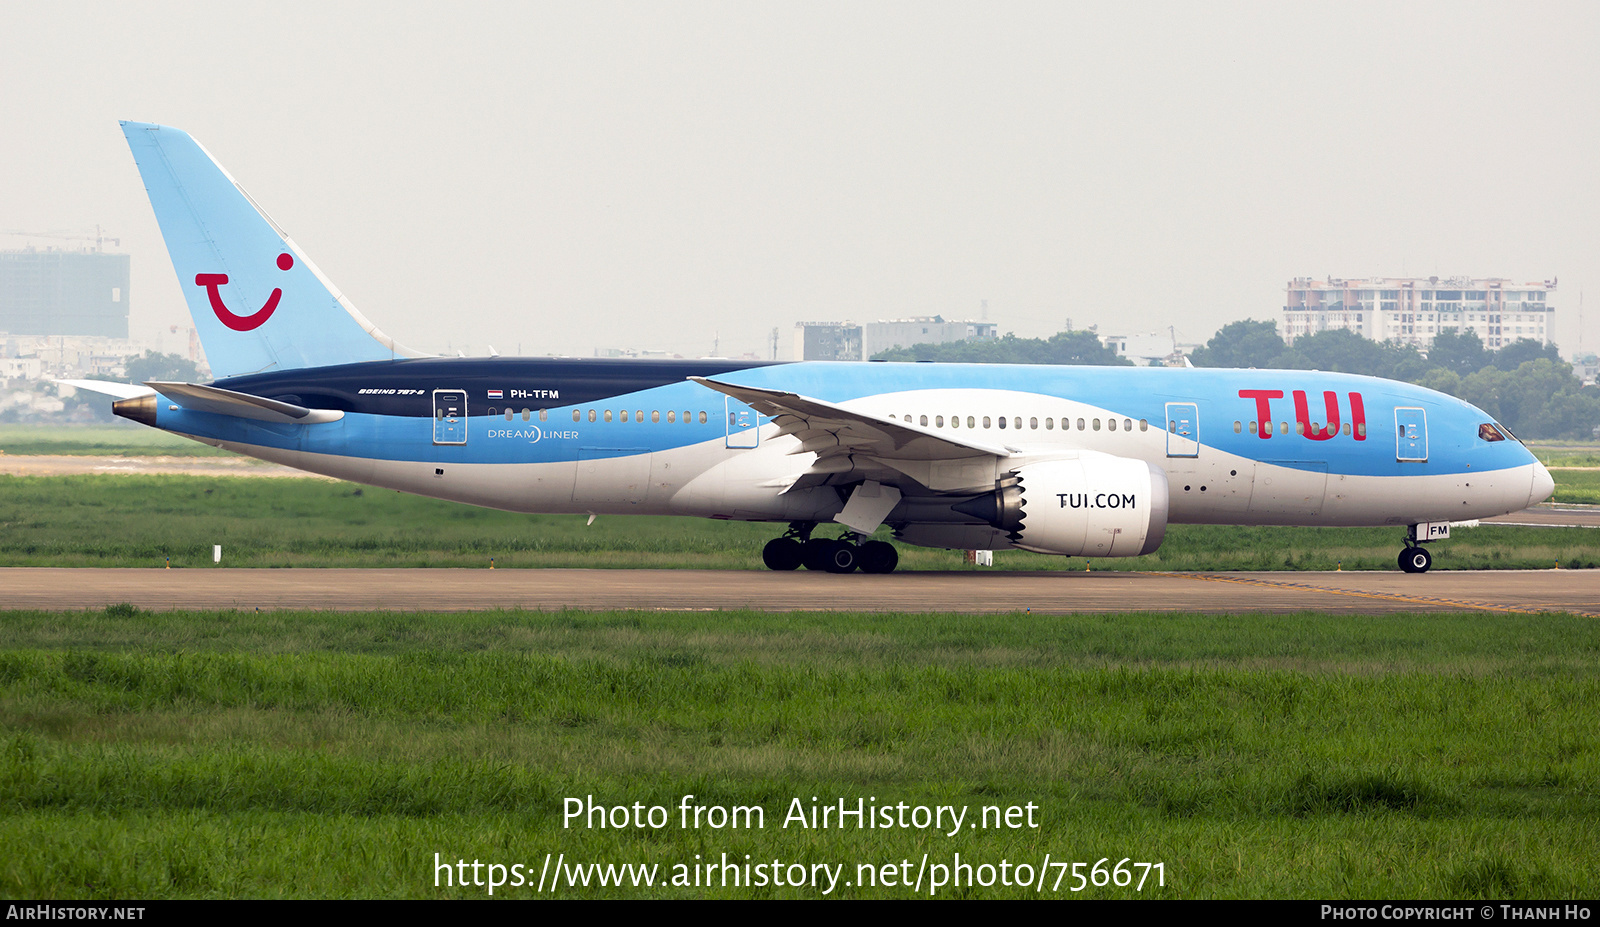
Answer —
(1412, 310)
(852, 341)
(832, 341)
(877, 337)
(64, 293)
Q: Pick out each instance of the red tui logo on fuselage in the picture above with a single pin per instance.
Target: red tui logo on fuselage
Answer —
(1315, 430)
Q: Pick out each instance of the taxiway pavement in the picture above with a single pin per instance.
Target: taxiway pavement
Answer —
(1062, 592)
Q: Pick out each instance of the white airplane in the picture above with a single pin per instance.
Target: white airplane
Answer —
(1078, 461)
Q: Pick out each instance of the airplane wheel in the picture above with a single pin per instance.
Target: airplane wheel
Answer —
(1415, 560)
(842, 558)
(814, 553)
(879, 557)
(782, 554)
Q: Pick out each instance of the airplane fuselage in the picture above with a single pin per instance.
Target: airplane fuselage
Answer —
(1260, 447)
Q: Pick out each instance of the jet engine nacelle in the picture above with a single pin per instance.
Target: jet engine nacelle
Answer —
(1094, 505)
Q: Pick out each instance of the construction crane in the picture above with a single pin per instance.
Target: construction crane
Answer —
(194, 341)
(99, 238)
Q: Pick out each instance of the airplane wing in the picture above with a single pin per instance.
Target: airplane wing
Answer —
(852, 445)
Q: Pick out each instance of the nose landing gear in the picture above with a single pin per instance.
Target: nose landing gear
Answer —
(1415, 558)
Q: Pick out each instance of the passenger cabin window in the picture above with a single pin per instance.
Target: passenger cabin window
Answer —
(702, 418)
(574, 414)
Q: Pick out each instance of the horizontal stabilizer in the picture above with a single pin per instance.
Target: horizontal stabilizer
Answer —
(117, 390)
(242, 405)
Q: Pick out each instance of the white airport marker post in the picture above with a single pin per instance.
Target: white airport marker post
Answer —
(216, 553)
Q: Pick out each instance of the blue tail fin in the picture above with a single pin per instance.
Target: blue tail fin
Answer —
(257, 303)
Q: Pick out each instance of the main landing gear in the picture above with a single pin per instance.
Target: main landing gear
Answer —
(797, 548)
(1415, 558)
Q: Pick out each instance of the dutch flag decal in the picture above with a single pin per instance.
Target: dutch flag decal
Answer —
(496, 394)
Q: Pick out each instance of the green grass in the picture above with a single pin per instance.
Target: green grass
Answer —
(1567, 453)
(124, 439)
(141, 520)
(1577, 486)
(229, 754)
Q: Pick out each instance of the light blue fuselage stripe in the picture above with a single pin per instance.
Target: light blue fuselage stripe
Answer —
(1454, 445)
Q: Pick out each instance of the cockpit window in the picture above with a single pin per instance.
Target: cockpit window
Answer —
(1490, 433)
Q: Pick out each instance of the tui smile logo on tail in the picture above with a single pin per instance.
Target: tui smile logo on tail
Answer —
(241, 323)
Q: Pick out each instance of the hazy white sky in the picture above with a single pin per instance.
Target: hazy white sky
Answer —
(562, 176)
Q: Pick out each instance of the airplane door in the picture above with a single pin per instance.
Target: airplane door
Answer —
(1183, 429)
(1411, 434)
(449, 416)
(743, 424)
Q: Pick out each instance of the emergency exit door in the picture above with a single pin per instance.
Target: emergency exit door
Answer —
(1183, 429)
(1411, 434)
(744, 425)
(449, 416)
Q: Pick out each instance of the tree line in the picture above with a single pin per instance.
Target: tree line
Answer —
(1525, 385)
(1060, 348)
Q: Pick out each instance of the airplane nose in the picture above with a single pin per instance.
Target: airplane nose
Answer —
(1543, 484)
